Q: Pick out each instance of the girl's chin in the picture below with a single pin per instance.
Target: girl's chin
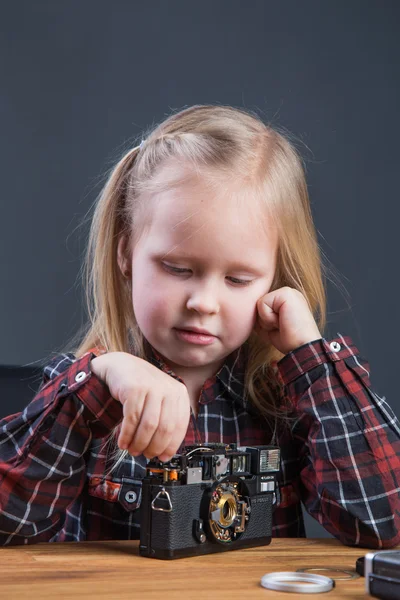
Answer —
(187, 361)
(191, 358)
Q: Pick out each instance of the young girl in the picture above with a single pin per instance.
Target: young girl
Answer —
(207, 309)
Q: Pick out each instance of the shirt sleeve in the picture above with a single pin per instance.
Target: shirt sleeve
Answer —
(42, 449)
(349, 441)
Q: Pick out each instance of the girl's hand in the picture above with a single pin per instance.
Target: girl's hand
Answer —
(156, 407)
(284, 319)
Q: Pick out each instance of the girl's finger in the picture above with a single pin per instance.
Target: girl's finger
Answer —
(267, 318)
(180, 430)
(132, 409)
(148, 424)
(164, 432)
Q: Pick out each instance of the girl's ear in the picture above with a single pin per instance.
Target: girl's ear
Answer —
(123, 256)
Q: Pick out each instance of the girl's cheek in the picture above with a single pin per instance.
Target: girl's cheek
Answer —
(159, 307)
(149, 316)
(245, 313)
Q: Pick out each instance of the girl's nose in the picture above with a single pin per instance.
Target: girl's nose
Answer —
(203, 299)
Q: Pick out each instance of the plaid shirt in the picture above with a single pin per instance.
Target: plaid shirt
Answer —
(340, 455)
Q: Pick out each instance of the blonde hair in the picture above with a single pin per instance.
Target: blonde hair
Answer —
(234, 142)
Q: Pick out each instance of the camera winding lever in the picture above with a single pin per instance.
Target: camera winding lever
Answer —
(162, 492)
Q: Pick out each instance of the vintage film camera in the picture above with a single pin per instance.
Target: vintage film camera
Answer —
(210, 498)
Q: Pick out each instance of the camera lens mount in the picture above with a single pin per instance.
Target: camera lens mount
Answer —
(228, 510)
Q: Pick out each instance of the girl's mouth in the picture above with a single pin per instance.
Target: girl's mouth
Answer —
(194, 338)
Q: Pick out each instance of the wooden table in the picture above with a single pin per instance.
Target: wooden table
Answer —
(115, 570)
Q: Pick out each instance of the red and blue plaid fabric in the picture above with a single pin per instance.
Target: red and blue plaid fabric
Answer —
(340, 455)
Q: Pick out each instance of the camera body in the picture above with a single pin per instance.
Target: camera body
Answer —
(382, 574)
(210, 498)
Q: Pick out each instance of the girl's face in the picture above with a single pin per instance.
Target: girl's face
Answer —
(202, 263)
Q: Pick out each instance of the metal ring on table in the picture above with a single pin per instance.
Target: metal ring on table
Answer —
(279, 581)
(352, 574)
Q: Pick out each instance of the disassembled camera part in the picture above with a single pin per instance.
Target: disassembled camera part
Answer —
(314, 584)
(162, 492)
(349, 574)
(227, 509)
(209, 497)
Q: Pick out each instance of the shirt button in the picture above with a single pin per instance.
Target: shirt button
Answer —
(80, 376)
(130, 497)
(335, 346)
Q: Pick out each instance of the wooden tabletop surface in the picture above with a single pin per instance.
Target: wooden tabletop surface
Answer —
(114, 569)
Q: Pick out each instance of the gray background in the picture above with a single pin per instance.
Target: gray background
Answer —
(81, 79)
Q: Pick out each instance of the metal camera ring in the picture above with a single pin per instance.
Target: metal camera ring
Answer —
(351, 574)
(228, 511)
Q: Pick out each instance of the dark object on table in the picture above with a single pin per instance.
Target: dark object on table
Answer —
(381, 570)
(360, 565)
(210, 498)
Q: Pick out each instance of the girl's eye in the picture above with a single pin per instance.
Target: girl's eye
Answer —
(174, 269)
(241, 282)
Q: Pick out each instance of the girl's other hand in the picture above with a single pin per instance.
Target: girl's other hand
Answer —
(285, 320)
(156, 407)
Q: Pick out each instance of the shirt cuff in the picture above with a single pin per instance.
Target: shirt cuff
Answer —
(93, 392)
(310, 355)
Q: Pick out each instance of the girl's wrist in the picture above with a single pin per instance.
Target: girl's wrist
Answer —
(306, 340)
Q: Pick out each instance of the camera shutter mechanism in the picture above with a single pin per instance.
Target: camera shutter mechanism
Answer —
(228, 510)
